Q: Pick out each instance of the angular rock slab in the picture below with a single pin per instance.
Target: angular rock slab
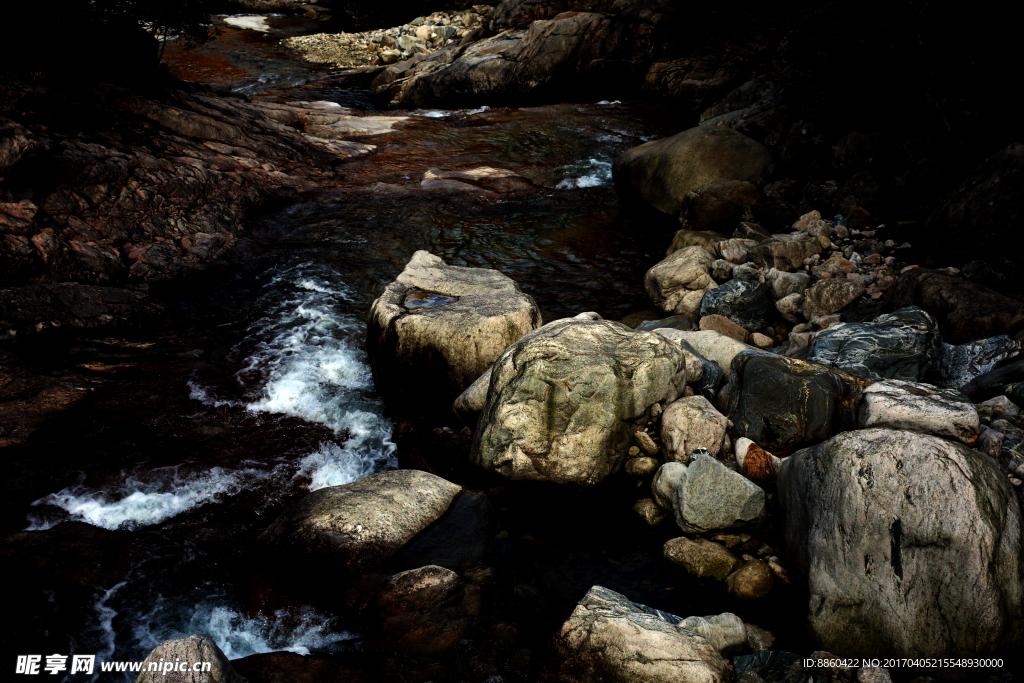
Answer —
(563, 402)
(748, 303)
(359, 525)
(780, 403)
(608, 638)
(194, 650)
(437, 328)
(898, 345)
(663, 172)
(920, 408)
(910, 546)
(691, 423)
(707, 496)
(678, 283)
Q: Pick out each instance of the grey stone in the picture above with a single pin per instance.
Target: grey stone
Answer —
(564, 402)
(919, 407)
(996, 408)
(666, 482)
(956, 366)
(437, 328)
(726, 632)
(721, 270)
(194, 650)
(784, 284)
(711, 497)
(677, 284)
(898, 345)
(356, 526)
(747, 303)
(609, 638)
(691, 423)
(909, 544)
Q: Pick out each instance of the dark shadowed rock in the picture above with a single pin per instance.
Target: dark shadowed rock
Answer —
(357, 526)
(910, 546)
(289, 667)
(780, 403)
(718, 206)
(747, 303)
(696, 238)
(784, 254)
(957, 366)
(700, 557)
(663, 172)
(826, 297)
(965, 310)
(900, 345)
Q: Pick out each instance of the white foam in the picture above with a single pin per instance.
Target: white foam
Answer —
(145, 499)
(203, 394)
(433, 114)
(249, 22)
(334, 465)
(610, 102)
(593, 172)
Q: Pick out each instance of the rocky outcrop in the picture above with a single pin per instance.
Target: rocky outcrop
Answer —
(357, 526)
(437, 328)
(193, 650)
(609, 638)
(565, 401)
(910, 546)
(661, 173)
(965, 310)
(99, 218)
(780, 403)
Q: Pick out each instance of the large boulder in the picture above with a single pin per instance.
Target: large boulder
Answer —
(678, 283)
(193, 650)
(565, 402)
(661, 173)
(718, 206)
(965, 310)
(357, 526)
(780, 403)
(900, 345)
(437, 328)
(608, 638)
(707, 496)
(921, 408)
(910, 546)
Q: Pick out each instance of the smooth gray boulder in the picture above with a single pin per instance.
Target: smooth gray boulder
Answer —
(565, 402)
(359, 525)
(195, 649)
(678, 283)
(663, 172)
(707, 496)
(910, 546)
(921, 408)
(691, 423)
(610, 639)
(437, 328)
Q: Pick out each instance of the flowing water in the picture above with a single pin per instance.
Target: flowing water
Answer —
(143, 501)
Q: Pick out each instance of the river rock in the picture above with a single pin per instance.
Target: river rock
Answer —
(910, 545)
(718, 206)
(1004, 380)
(691, 423)
(649, 511)
(722, 325)
(422, 612)
(790, 307)
(700, 557)
(735, 250)
(784, 255)
(921, 408)
(194, 650)
(721, 271)
(709, 344)
(965, 311)
(784, 284)
(955, 367)
(780, 403)
(898, 345)
(997, 408)
(564, 403)
(678, 283)
(752, 581)
(359, 525)
(437, 328)
(826, 297)
(696, 238)
(747, 303)
(609, 638)
(708, 496)
(663, 172)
